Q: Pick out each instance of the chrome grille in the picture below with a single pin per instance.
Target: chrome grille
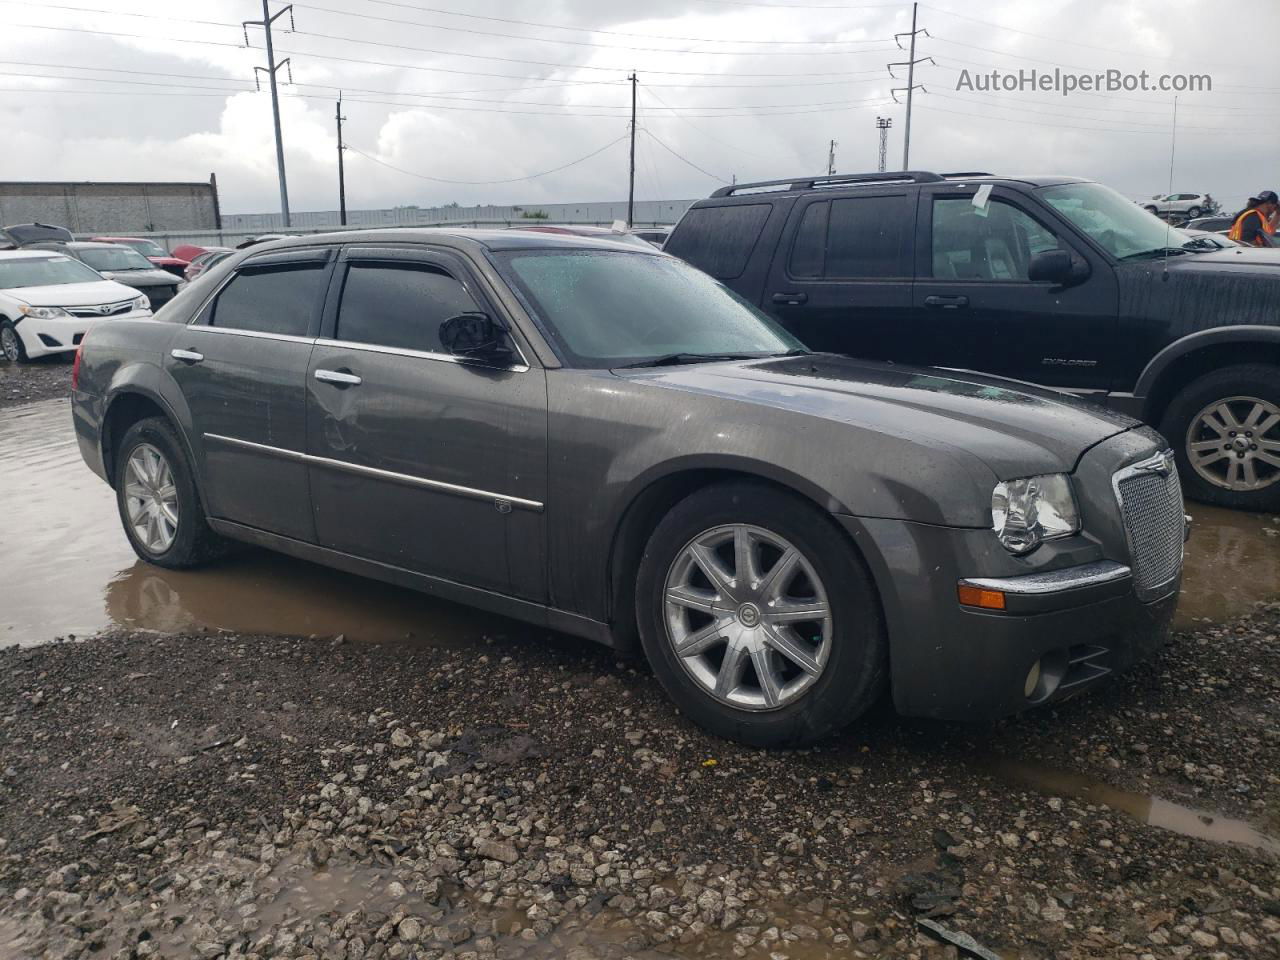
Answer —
(106, 310)
(1150, 499)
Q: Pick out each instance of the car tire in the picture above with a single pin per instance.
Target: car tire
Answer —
(847, 649)
(1251, 395)
(1154, 211)
(151, 473)
(11, 345)
(1193, 212)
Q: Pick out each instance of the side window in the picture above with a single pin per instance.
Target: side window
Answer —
(809, 251)
(399, 305)
(997, 244)
(281, 299)
(719, 240)
(869, 237)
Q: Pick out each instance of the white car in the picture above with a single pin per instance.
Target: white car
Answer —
(1190, 205)
(48, 301)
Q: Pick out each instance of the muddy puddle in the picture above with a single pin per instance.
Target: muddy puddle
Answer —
(1145, 808)
(67, 568)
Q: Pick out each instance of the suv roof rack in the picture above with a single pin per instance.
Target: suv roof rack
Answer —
(966, 173)
(832, 180)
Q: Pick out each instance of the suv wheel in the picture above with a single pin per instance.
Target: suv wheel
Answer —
(760, 620)
(1225, 429)
(11, 344)
(1152, 209)
(1193, 213)
(157, 498)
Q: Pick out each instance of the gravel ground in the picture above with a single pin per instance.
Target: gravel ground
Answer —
(215, 794)
(45, 379)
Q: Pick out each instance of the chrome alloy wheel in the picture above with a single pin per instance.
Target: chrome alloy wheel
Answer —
(151, 498)
(747, 617)
(1235, 443)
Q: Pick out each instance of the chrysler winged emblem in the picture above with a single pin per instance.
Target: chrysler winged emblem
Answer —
(1162, 464)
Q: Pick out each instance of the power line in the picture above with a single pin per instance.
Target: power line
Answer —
(487, 183)
(695, 127)
(684, 159)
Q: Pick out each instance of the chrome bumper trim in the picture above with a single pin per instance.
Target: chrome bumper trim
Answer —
(1054, 581)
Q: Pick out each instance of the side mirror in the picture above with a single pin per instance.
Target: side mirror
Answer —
(1052, 266)
(476, 336)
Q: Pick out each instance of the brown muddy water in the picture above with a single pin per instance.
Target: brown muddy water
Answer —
(67, 569)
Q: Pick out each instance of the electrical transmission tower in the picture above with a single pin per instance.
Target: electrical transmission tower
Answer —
(912, 86)
(271, 69)
(883, 124)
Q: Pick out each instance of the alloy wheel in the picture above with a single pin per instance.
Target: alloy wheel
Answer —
(151, 498)
(747, 616)
(9, 343)
(1235, 443)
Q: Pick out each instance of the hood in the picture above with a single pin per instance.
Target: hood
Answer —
(73, 294)
(141, 278)
(1016, 429)
(1240, 285)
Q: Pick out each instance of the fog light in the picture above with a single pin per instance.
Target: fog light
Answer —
(1032, 681)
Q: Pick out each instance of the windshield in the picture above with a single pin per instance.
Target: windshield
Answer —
(148, 248)
(1123, 229)
(610, 308)
(45, 272)
(115, 258)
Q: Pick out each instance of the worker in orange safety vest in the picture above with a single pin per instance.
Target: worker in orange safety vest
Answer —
(1256, 224)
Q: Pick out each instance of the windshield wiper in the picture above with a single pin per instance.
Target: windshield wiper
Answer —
(1154, 254)
(678, 359)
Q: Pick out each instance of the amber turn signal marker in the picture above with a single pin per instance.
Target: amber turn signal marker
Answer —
(977, 597)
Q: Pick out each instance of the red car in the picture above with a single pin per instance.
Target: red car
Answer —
(152, 251)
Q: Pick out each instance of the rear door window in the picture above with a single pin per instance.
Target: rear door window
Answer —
(283, 299)
(869, 238)
(400, 305)
(719, 240)
(809, 251)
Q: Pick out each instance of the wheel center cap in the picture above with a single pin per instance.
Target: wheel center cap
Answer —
(749, 615)
(1241, 443)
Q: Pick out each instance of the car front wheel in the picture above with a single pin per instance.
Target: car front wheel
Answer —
(11, 344)
(759, 618)
(1225, 430)
(157, 499)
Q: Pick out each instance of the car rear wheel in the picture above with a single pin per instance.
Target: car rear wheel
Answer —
(1152, 209)
(11, 344)
(1225, 430)
(1193, 213)
(759, 618)
(157, 499)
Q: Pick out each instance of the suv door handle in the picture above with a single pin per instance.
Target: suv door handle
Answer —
(339, 378)
(947, 303)
(791, 299)
(186, 356)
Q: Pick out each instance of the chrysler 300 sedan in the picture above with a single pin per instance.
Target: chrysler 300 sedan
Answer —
(598, 438)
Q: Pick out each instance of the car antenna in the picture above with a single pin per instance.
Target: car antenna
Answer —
(1173, 152)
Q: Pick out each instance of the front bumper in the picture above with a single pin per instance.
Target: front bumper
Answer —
(1071, 614)
(62, 334)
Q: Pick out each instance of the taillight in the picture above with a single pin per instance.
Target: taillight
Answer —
(75, 365)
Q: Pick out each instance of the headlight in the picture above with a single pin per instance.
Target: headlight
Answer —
(142, 303)
(44, 313)
(1025, 513)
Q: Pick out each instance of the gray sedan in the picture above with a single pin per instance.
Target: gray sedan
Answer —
(598, 438)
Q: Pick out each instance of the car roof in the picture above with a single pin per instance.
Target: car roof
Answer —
(117, 239)
(29, 254)
(488, 239)
(798, 186)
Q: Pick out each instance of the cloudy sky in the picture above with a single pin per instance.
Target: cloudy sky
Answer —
(495, 90)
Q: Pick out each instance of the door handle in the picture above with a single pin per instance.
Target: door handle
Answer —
(791, 299)
(186, 356)
(339, 378)
(947, 303)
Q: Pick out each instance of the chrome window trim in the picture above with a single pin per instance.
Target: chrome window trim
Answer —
(256, 334)
(521, 367)
(1054, 581)
(498, 499)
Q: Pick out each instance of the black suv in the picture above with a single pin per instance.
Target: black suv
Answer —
(1055, 280)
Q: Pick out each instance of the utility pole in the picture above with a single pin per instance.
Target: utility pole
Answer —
(268, 19)
(631, 189)
(883, 124)
(342, 180)
(911, 86)
(831, 159)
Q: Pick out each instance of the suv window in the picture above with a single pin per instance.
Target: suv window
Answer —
(399, 305)
(719, 240)
(280, 299)
(995, 244)
(868, 237)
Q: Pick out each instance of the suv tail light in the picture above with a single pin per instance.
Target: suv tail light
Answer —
(75, 365)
